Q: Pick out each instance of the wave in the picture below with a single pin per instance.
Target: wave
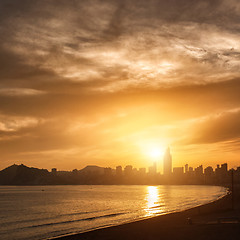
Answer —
(53, 217)
(158, 206)
(73, 221)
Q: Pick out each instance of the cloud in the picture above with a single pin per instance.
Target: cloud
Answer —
(14, 123)
(20, 92)
(131, 44)
(98, 73)
(220, 128)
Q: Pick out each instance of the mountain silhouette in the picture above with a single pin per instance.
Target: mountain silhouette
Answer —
(23, 175)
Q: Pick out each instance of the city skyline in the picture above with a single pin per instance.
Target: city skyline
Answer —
(128, 175)
(116, 82)
(163, 163)
(162, 166)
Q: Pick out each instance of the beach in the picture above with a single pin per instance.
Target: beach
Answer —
(215, 220)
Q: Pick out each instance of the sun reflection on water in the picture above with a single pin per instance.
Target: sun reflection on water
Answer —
(154, 202)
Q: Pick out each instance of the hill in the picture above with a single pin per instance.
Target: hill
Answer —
(23, 175)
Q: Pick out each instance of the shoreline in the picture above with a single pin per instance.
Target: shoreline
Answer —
(149, 225)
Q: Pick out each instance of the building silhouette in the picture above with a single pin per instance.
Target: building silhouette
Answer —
(167, 163)
(178, 171)
(119, 171)
(128, 170)
(142, 171)
(153, 169)
(23, 175)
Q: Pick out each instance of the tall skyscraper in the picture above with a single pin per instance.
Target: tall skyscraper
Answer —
(167, 162)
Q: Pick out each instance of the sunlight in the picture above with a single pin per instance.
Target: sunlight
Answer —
(153, 201)
(152, 197)
(152, 149)
(155, 152)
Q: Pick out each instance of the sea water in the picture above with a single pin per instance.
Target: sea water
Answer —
(40, 212)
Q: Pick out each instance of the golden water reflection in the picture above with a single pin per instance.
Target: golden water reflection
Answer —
(154, 201)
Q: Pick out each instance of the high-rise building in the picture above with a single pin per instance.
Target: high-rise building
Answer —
(153, 169)
(178, 171)
(199, 171)
(224, 167)
(128, 170)
(119, 171)
(107, 171)
(167, 162)
(142, 171)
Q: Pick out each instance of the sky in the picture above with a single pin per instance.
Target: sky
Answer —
(110, 82)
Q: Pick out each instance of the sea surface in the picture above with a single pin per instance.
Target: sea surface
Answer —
(41, 212)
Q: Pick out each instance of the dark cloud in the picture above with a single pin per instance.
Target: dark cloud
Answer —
(39, 43)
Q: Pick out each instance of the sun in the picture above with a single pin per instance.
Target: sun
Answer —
(152, 150)
(155, 153)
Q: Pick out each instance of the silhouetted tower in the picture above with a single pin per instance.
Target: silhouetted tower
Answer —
(167, 162)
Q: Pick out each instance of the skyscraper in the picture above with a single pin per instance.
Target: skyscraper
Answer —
(167, 162)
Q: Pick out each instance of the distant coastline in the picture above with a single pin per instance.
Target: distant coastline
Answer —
(94, 175)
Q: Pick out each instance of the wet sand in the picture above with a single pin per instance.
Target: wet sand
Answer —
(216, 220)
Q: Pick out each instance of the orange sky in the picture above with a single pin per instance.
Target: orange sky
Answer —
(108, 82)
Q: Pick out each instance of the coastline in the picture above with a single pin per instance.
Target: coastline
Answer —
(175, 225)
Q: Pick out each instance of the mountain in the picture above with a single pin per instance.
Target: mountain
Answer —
(92, 169)
(23, 175)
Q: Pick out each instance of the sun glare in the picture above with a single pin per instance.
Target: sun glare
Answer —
(154, 202)
(155, 152)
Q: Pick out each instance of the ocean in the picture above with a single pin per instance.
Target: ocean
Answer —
(41, 212)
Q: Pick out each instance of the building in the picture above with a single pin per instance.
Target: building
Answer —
(208, 171)
(178, 175)
(178, 171)
(209, 175)
(142, 171)
(199, 171)
(222, 173)
(128, 170)
(119, 171)
(107, 171)
(167, 162)
(224, 167)
(134, 171)
(153, 169)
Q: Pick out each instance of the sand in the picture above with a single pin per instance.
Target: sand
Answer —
(216, 220)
